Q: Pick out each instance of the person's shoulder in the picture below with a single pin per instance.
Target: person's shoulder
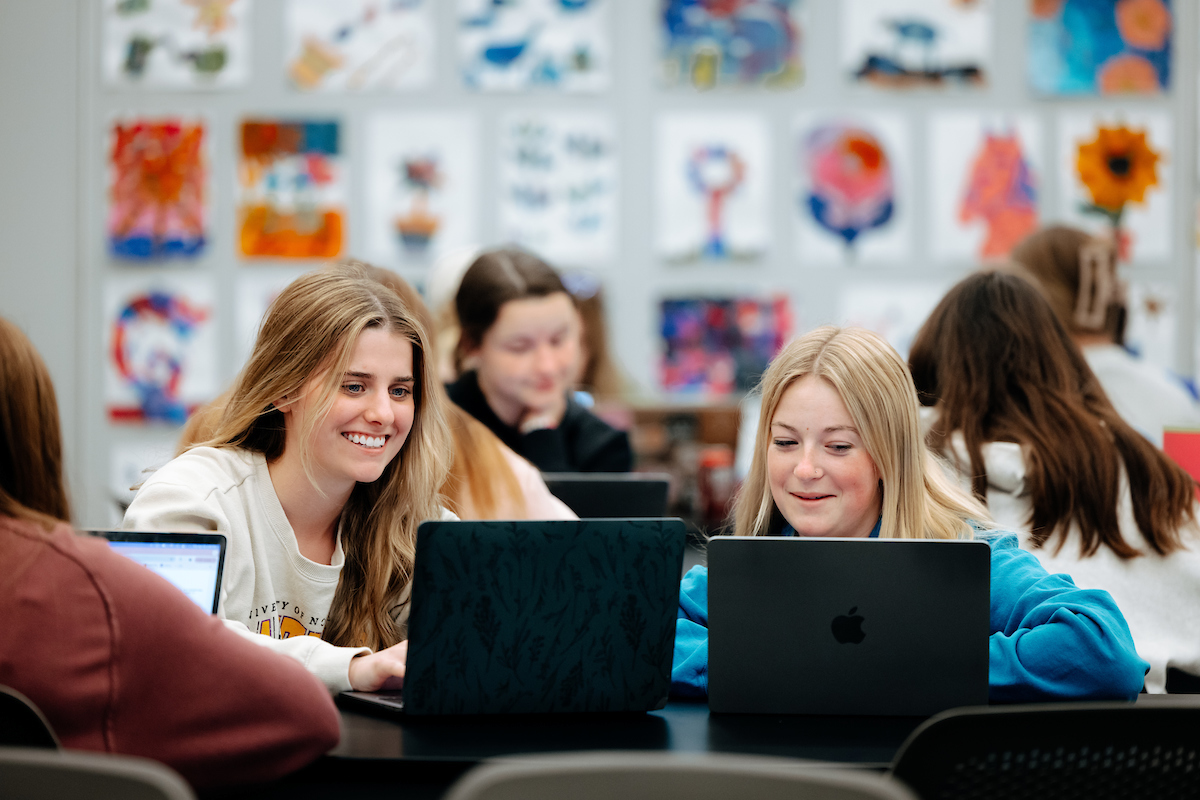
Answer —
(995, 538)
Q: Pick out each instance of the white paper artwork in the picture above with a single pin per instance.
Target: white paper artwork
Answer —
(176, 44)
(130, 462)
(1151, 322)
(516, 45)
(351, 45)
(852, 199)
(713, 187)
(421, 185)
(985, 171)
(898, 44)
(160, 338)
(895, 310)
(558, 185)
(1146, 225)
(257, 288)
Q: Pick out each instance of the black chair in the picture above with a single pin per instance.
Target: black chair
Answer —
(1056, 750)
(22, 724)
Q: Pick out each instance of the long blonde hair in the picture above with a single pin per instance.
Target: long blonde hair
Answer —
(311, 329)
(919, 500)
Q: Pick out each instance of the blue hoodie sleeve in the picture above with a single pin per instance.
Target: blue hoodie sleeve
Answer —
(689, 670)
(1052, 640)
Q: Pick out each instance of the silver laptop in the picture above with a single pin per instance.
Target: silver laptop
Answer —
(847, 626)
(192, 562)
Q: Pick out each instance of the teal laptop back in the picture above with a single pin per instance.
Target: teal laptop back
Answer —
(543, 617)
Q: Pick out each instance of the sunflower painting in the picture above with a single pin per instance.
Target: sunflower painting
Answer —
(1118, 170)
(1088, 47)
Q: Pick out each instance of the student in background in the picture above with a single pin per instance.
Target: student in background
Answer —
(1033, 435)
(328, 454)
(839, 453)
(1077, 273)
(520, 341)
(486, 480)
(116, 658)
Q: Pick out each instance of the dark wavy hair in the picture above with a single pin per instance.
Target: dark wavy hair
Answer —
(998, 365)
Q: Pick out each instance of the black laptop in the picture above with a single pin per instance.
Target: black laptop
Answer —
(617, 495)
(847, 626)
(193, 562)
(540, 617)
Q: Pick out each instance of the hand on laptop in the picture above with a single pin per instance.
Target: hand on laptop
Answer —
(379, 671)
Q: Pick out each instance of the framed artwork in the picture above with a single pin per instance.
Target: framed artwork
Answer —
(905, 44)
(709, 45)
(720, 345)
(175, 44)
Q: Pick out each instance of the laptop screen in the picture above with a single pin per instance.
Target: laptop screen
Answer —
(191, 562)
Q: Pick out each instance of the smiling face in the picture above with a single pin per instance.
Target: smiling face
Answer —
(822, 479)
(371, 415)
(529, 356)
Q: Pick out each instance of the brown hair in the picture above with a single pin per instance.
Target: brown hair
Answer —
(311, 329)
(1000, 366)
(480, 484)
(1077, 274)
(598, 374)
(919, 501)
(31, 461)
(493, 279)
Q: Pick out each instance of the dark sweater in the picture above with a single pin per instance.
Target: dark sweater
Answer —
(582, 442)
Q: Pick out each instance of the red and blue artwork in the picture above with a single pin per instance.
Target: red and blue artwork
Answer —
(715, 172)
(717, 346)
(1000, 191)
(1088, 47)
(156, 190)
(710, 43)
(150, 341)
(850, 189)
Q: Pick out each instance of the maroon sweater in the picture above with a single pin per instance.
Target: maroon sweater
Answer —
(121, 661)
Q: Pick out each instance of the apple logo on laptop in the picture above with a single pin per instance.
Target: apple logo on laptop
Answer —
(847, 628)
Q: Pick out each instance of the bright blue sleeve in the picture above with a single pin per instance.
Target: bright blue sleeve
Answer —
(689, 670)
(1052, 640)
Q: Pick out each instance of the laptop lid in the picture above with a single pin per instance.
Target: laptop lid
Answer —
(611, 494)
(193, 562)
(540, 617)
(847, 626)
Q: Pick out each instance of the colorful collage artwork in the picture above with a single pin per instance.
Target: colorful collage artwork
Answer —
(516, 45)
(176, 44)
(713, 185)
(707, 45)
(852, 198)
(1100, 47)
(158, 175)
(421, 186)
(354, 45)
(719, 345)
(1115, 177)
(903, 44)
(558, 185)
(985, 180)
(291, 195)
(161, 346)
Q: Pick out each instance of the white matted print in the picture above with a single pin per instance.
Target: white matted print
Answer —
(986, 182)
(558, 185)
(712, 187)
(257, 288)
(176, 44)
(900, 44)
(421, 185)
(516, 45)
(852, 200)
(895, 310)
(160, 339)
(131, 460)
(1146, 226)
(352, 45)
(1150, 327)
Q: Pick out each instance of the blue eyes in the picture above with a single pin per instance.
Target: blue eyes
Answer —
(400, 392)
(355, 389)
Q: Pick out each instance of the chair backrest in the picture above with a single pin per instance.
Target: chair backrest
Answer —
(21, 723)
(1059, 750)
(654, 776)
(38, 774)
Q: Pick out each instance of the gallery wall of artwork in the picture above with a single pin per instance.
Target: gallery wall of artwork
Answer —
(728, 173)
